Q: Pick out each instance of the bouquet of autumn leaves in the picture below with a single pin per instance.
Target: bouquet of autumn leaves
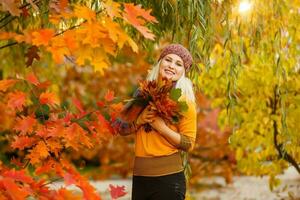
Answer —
(163, 97)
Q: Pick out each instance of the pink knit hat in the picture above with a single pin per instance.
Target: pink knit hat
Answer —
(180, 51)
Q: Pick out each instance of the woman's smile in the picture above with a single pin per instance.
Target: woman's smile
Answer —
(170, 72)
(171, 67)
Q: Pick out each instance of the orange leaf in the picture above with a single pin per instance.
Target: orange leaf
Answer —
(13, 190)
(7, 35)
(44, 84)
(109, 96)
(18, 176)
(46, 167)
(63, 4)
(69, 40)
(40, 151)
(58, 53)
(64, 194)
(54, 146)
(146, 32)
(48, 98)
(22, 142)
(137, 17)
(5, 84)
(85, 13)
(32, 79)
(42, 37)
(25, 124)
(16, 100)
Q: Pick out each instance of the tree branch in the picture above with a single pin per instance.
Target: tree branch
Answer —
(57, 34)
(8, 45)
(279, 147)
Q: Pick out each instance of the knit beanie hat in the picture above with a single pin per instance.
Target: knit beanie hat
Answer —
(180, 51)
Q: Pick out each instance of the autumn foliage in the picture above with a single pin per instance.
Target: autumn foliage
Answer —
(43, 132)
(56, 105)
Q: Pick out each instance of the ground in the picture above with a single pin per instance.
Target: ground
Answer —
(242, 188)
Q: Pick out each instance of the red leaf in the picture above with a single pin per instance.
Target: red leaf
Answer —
(13, 190)
(69, 179)
(100, 103)
(104, 125)
(44, 85)
(78, 105)
(109, 96)
(32, 54)
(48, 98)
(25, 12)
(25, 124)
(17, 162)
(116, 192)
(32, 79)
(5, 84)
(22, 142)
(16, 100)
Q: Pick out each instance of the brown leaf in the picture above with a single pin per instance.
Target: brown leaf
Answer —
(32, 54)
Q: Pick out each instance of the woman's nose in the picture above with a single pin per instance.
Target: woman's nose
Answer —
(172, 65)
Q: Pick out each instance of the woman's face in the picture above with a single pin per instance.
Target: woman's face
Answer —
(171, 67)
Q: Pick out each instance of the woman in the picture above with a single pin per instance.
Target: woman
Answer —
(158, 170)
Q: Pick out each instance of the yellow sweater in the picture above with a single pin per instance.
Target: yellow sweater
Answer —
(153, 144)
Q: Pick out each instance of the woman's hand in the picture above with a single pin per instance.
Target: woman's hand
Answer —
(158, 124)
(147, 116)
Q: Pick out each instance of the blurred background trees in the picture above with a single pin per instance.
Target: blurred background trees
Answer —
(246, 73)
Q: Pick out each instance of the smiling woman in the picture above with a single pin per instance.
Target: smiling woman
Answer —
(171, 67)
(158, 169)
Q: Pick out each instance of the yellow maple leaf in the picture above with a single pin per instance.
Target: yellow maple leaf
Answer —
(99, 60)
(83, 53)
(58, 52)
(108, 46)
(85, 13)
(112, 8)
(90, 33)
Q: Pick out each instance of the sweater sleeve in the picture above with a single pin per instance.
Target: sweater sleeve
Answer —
(188, 128)
(125, 125)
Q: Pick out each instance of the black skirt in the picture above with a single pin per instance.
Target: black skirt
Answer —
(172, 186)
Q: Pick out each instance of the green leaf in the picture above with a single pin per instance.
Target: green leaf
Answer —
(42, 113)
(183, 106)
(175, 94)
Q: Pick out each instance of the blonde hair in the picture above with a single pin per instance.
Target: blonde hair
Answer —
(183, 83)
